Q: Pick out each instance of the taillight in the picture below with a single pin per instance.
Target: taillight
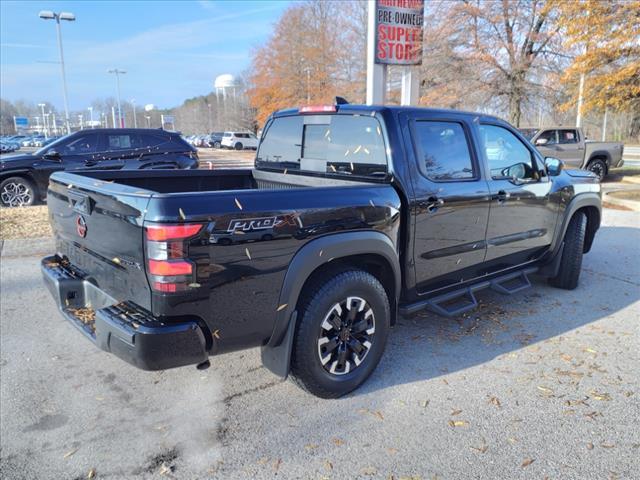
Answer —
(167, 262)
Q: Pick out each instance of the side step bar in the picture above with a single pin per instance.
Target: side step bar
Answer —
(462, 300)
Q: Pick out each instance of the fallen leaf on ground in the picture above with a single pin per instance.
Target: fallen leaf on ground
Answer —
(589, 446)
(424, 403)
(282, 307)
(68, 454)
(337, 441)
(606, 445)
(456, 412)
(311, 446)
(328, 465)
(600, 396)
(164, 469)
(527, 461)
(481, 449)
(545, 390)
(216, 333)
(494, 401)
(246, 251)
(458, 423)
(276, 464)
(91, 474)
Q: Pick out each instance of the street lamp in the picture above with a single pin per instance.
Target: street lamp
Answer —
(148, 117)
(70, 17)
(118, 73)
(135, 120)
(42, 105)
(90, 115)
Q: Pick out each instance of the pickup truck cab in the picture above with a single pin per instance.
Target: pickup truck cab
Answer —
(24, 178)
(572, 147)
(352, 216)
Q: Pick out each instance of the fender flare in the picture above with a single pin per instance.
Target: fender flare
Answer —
(276, 353)
(587, 199)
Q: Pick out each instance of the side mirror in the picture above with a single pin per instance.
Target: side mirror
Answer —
(52, 154)
(542, 141)
(554, 166)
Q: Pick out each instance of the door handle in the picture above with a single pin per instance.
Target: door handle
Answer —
(433, 203)
(503, 196)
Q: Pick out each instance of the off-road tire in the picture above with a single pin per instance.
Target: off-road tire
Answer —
(571, 261)
(9, 184)
(599, 167)
(316, 301)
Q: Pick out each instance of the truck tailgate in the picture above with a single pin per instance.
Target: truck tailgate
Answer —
(98, 228)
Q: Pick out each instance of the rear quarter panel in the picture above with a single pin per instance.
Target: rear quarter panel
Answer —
(249, 238)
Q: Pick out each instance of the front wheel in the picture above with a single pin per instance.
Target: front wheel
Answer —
(341, 334)
(571, 261)
(17, 192)
(599, 167)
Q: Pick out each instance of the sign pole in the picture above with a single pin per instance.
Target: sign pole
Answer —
(409, 92)
(376, 73)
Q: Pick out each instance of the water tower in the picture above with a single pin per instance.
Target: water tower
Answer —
(225, 85)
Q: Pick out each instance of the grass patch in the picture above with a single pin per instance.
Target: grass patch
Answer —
(24, 222)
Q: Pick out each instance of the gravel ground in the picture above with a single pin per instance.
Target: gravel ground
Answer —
(543, 384)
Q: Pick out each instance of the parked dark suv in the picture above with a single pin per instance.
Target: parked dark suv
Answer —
(24, 178)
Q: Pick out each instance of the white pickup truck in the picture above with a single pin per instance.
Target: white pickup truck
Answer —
(572, 147)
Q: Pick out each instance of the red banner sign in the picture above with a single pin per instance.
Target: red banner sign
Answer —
(399, 31)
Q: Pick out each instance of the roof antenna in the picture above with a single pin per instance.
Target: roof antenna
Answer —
(341, 101)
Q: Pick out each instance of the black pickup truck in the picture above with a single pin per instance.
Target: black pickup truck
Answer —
(351, 216)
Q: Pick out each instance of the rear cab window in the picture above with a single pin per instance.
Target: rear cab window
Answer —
(338, 144)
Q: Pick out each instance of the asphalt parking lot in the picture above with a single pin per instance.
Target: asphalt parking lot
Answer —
(543, 384)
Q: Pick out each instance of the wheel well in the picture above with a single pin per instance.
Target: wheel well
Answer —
(593, 223)
(600, 157)
(374, 264)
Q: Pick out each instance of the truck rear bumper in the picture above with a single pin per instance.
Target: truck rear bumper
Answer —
(122, 328)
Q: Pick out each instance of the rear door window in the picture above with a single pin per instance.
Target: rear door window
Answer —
(120, 142)
(443, 151)
(567, 136)
(335, 144)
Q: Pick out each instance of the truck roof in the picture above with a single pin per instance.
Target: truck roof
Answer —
(360, 108)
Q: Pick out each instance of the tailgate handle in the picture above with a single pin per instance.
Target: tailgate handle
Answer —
(80, 202)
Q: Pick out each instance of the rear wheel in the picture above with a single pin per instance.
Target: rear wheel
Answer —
(216, 144)
(599, 167)
(341, 334)
(238, 146)
(571, 261)
(17, 192)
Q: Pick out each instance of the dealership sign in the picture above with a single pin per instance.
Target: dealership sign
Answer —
(399, 31)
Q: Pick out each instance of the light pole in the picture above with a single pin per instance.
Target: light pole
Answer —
(148, 117)
(118, 73)
(90, 115)
(42, 105)
(135, 120)
(81, 118)
(209, 107)
(70, 17)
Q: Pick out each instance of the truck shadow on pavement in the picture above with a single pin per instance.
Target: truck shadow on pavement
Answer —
(426, 345)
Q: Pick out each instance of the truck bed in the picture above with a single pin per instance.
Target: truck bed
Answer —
(251, 225)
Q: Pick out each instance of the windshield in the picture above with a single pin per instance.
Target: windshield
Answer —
(53, 144)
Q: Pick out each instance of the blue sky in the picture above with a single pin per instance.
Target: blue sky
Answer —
(171, 50)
